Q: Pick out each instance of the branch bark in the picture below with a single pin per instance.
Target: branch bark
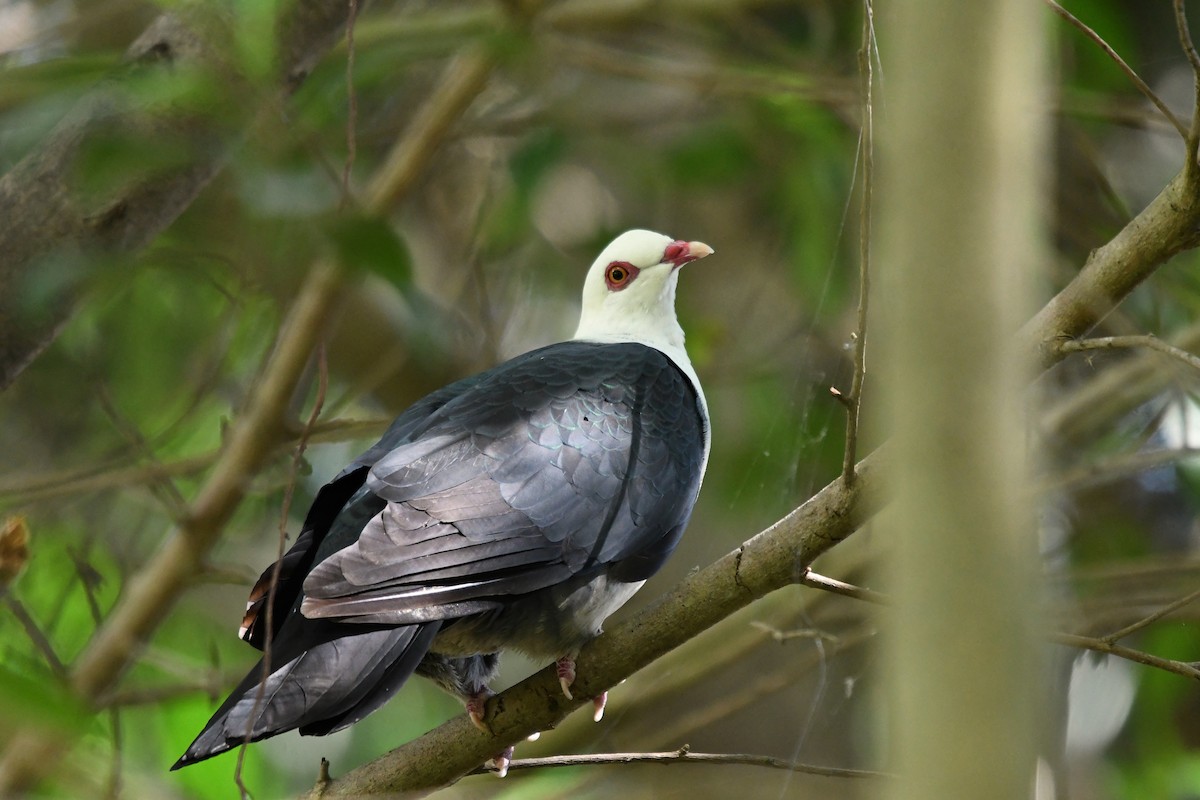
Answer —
(57, 229)
(1169, 225)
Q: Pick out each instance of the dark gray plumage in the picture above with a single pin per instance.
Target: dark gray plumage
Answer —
(513, 509)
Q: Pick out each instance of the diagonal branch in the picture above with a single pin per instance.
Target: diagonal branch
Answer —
(1134, 78)
(1169, 225)
(1189, 49)
(1127, 653)
(684, 755)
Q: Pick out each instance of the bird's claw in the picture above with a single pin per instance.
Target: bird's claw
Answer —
(477, 708)
(501, 761)
(598, 703)
(566, 675)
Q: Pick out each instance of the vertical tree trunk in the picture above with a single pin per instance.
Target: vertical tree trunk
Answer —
(961, 147)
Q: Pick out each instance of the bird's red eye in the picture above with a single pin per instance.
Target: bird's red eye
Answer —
(619, 274)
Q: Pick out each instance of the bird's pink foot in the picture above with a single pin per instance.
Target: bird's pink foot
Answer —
(598, 703)
(501, 761)
(566, 677)
(477, 709)
(566, 674)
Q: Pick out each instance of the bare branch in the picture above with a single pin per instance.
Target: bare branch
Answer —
(816, 581)
(1168, 225)
(1115, 468)
(106, 476)
(1141, 85)
(684, 755)
(866, 154)
(1128, 653)
(34, 631)
(1118, 342)
(1189, 49)
(1128, 630)
(795, 633)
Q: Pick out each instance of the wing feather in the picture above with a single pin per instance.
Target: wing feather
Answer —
(562, 462)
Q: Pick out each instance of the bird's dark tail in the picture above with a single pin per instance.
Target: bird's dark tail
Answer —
(323, 689)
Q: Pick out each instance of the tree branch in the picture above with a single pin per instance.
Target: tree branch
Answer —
(685, 755)
(1127, 653)
(1170, 224)
(866, 153)
(1118, 342)
(1134, 78)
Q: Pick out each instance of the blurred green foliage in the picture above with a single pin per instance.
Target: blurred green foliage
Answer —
(736, 125)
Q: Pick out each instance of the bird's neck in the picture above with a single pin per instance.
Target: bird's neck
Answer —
(651, 328)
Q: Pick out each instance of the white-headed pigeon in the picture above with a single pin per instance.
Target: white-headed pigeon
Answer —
(516, 508)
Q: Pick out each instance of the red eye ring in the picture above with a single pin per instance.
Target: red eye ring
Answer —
(618, 275)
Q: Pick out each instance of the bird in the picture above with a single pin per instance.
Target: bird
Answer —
(515, 509)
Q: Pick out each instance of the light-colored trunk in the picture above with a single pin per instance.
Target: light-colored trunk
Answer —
(961, 148)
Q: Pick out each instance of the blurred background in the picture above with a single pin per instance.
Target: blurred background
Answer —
(735, 123)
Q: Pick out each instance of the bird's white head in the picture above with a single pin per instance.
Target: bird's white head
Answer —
(629, 293)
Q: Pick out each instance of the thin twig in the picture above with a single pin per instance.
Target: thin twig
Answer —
(1121, 342)
(795, 633)
(36, 636)
(1114, 468)
(112, 790)
(1141, 85)
(685, 755)
(704, 78)
(352, 103)
(1186, 600)
(161, 487)
(1128, 653)
(460, 84)
(866, 149)
(1189, 49)
(213, 686)
(835, 586)
(103, 477)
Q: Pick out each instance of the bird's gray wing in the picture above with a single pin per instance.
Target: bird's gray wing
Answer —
(340, 508)
(571, 459)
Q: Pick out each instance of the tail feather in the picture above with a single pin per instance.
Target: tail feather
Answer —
(322, 689)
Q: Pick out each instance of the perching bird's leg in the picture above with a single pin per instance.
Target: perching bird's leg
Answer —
(599, 702)
(566, 674)
(477, 709)
(501, 761)
(566, 677)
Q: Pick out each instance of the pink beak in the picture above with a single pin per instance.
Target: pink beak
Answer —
(681, 252)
